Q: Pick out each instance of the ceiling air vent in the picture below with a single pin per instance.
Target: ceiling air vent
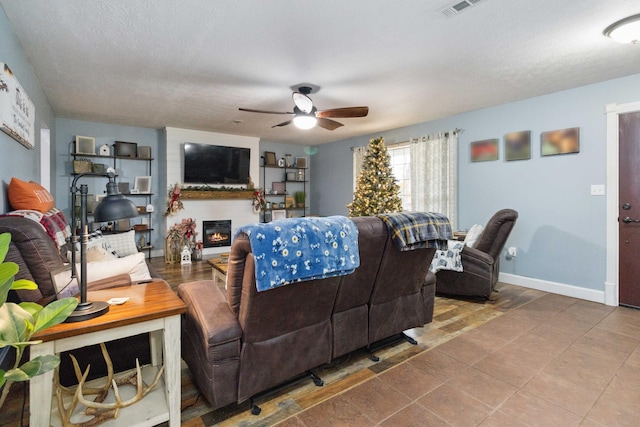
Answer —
(459, 6)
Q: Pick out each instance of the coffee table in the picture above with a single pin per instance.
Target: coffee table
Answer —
(219, 270)
(152, 307)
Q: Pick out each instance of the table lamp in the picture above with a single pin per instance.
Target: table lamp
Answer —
(114, 206)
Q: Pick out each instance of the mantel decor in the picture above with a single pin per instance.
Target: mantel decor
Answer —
(210, 193)
(17, 111)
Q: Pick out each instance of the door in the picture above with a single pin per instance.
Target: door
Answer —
(629, 209)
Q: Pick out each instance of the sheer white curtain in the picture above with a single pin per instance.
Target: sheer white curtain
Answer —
(434, 168)
(358, 158)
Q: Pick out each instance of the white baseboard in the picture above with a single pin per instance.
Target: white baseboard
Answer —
(554, 287)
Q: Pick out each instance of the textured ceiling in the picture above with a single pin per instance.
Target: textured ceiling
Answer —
(192, 63)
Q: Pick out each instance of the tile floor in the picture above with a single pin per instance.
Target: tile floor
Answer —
(555, 361)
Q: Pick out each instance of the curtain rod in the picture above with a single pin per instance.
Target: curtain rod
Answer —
(456, 131)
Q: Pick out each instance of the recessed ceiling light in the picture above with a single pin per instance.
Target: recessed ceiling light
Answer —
(626, 30)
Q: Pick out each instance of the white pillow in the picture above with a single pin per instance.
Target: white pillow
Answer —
(473, 234)
(124, 244)
(133, 265)
(98, 253)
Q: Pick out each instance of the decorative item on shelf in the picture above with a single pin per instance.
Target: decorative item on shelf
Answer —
(278, 187)
(290, 202)
(288, 160)
(140, 227)
(141, 209)
(175, 205)
(281, 162)
(142, 184)
(82, 165)
(126, 149)
(113, 207)
(186, 256)
(144, 152)
(98, 168)
(300, 197)
(269, 158)
(123, 187)
(301, 162)
(104, 150)
(259, 201)
(142, 242)
(85, 145)
(291, 176)
(300, 175)
(250, 184)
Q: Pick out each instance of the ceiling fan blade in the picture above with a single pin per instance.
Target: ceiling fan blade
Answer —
(262, 111)
(288, 122)
(344, 113)
(328, 124)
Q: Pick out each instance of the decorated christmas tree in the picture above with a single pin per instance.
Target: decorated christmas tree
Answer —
(377, 190)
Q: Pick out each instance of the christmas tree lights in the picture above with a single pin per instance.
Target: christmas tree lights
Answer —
(377, 190)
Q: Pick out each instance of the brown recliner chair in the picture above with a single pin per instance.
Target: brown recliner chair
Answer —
(481, 263)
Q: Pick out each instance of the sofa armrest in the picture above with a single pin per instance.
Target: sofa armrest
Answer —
(110, 282)
(209, 320)
(471, 255)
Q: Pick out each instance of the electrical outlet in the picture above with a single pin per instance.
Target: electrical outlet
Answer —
(512, 251)
(597, 190)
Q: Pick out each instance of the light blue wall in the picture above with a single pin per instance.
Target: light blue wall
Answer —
(127, 170)
(16, 160)
(560, 233)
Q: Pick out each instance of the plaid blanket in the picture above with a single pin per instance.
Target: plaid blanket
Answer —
(416, 230)
(53, 221)
(298, 249)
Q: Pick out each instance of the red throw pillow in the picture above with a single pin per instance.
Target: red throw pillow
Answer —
(29, 195)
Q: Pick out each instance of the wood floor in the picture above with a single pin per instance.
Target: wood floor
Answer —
(451, 319)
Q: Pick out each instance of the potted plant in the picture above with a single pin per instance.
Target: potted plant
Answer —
(19, 322)
(300, 197)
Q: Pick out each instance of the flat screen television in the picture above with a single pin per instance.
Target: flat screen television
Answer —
(215, 164)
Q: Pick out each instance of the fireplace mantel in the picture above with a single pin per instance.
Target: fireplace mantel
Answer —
(215, 194)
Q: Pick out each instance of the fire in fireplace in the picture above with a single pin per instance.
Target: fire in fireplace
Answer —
(216, 233)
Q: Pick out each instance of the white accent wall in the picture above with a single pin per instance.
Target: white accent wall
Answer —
(240, 212)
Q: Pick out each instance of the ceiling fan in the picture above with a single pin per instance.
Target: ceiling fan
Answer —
(306, 115)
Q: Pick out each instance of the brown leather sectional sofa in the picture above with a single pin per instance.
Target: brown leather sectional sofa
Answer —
(247, 342)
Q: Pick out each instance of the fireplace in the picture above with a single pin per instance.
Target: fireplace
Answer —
(216, 233)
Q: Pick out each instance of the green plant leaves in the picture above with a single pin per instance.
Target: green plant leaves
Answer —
(16, 324)
(5, 239)
(30, 369)
(55, 313)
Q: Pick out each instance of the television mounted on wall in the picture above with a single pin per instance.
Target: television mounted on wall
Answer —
(215, 164)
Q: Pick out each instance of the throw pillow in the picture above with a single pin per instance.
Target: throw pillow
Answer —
(29, 195)
(473, 235)
(133, 265)
(124, 244)
(449, 259)
(98, 253)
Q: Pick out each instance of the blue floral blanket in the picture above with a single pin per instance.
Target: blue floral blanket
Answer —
(415, 230)
(297, 249)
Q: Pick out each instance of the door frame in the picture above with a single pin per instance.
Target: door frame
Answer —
(611, 284)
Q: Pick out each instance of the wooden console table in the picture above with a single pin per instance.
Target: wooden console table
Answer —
(152, 307)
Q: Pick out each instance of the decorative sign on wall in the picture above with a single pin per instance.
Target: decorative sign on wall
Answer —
(17, 112)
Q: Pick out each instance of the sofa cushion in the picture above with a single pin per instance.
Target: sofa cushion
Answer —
(124, 244)
(473, 235)
(29, 195)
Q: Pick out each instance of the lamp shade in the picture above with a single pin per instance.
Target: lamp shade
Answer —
(114, 206)
(305, 121)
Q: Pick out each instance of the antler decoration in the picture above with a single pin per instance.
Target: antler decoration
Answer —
(97, 408)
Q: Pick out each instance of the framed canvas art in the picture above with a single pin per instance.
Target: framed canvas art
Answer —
(517, 145)
(562, 141)
(485, 150)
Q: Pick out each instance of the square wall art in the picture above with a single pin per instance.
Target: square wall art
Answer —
(517, 145)
(563, 141)
(485, 150)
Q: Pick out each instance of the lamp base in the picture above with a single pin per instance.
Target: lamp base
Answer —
(88, 310)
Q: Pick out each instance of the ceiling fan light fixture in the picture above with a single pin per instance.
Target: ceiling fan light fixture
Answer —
(626, 30)
(304, 121)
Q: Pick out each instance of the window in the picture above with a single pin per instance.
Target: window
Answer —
(401, 166)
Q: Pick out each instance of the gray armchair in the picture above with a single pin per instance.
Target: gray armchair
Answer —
(481, 263)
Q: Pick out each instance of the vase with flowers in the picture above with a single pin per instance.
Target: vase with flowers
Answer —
(258, 202)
